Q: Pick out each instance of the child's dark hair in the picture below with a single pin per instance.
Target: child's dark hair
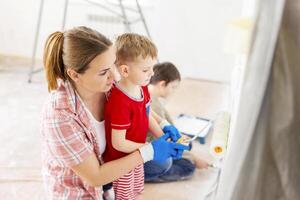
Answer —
(165, 71)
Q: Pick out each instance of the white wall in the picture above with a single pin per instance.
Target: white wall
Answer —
(192, 35)
(189, 33)
(18, 20)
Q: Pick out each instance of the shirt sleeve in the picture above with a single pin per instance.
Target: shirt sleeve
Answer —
(147, 94)
(66, 140)
(120, 115)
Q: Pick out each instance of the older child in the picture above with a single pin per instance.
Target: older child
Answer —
(163, 83)
(127, 113)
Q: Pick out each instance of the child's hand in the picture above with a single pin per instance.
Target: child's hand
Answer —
(201, 163)
(173, 131)
(164, 149)
(184, 139)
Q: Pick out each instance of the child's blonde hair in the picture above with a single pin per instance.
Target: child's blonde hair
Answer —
(130, 46)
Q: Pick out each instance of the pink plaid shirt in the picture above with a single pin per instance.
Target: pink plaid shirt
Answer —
(69, 139)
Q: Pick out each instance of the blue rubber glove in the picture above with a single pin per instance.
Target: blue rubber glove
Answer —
(164, 149)
(173, 131)
(179, 154)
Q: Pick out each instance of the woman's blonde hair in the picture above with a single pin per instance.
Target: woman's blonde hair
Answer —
(74, 49)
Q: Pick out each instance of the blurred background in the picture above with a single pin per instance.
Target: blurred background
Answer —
(204, 39)
(191, 34)
(224, 50)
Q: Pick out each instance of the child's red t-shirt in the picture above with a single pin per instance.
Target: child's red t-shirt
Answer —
(125, 112)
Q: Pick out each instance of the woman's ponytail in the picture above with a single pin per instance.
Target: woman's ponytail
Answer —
(53, 59)
(73, 49)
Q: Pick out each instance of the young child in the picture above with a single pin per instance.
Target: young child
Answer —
(127, 113)
(163, 83)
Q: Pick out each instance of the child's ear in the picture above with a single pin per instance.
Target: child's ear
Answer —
(124, 70)
(162, 84)
(73, 74)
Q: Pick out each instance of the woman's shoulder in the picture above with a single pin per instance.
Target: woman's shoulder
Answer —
(60, 104)
(54, 112)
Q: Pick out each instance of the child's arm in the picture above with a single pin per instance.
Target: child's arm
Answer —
(155, 116)
(120, 143)
(154, 127)
(165, 126)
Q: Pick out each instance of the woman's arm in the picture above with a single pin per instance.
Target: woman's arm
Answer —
(96, 175)
(120, 143)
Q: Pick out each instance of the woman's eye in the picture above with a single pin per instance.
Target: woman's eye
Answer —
(145, 70)
(103, 73)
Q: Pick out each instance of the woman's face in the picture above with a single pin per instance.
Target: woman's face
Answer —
(101, 73)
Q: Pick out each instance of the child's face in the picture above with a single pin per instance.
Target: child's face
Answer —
(141, 70)
(167, 90)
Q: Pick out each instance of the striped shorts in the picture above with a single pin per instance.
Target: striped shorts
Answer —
(129, 186)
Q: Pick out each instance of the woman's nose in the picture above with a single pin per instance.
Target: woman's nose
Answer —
(114, 74)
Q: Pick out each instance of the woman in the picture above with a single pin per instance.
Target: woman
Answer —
(79, 65)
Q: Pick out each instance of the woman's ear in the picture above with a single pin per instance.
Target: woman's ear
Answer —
(124, 70)
(73, 75)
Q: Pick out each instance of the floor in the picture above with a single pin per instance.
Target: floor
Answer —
(20, 106)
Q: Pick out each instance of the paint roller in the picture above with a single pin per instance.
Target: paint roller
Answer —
(220, 135)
